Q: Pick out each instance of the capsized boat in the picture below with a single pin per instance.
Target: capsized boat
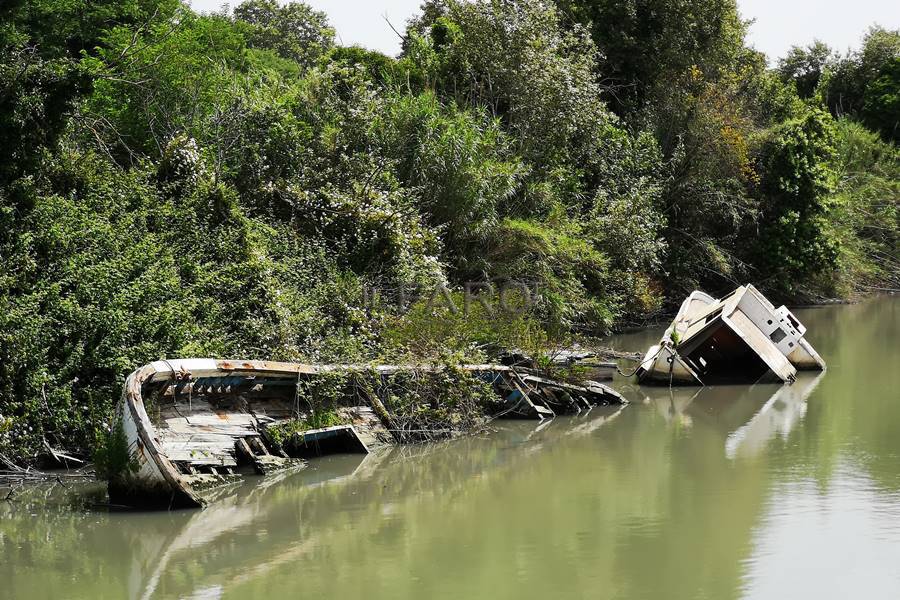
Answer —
(195, 426)
(739, 338)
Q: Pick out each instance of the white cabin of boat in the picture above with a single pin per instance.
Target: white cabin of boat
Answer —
(739, 338)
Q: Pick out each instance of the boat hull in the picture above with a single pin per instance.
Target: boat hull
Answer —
(214, 421)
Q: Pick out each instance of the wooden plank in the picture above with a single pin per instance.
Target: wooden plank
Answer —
(185, 409)
(345, 431)
(221, 418)
(184, 431)
(225, 445)
(368, 426)
(257, 446)
(198, 460)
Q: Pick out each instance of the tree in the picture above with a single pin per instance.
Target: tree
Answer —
(513, 60)
(180, 79)
(794, 243)
(583, 177)
(846, 87)
(881, 101)
(867, 208)
(295, 30)
(645, 43)
(42, 44)
(804, 66)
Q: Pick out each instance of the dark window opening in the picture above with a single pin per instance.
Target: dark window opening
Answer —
(725, 357)
(713, 315)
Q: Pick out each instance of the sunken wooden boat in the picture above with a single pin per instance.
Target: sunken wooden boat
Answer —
(741, 338)
(193, 427)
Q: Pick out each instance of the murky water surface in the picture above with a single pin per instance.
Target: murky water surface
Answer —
(727, 492)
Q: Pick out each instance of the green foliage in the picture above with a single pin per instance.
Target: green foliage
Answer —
(462, 170)
(645, 44)
(712, 135)
(180, 77)
(294, 30)
(41, 80)
(317, 419)
(176, 185)
(508, 59)
(866, 209)
(378, 67)
(864, 84)
(881, 102)
(435, 404)
(112, 458)
(795, 244)
(805, 66)
(566, 268)
(467, 327)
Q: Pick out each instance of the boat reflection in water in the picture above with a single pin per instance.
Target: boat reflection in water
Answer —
(749, 417)
(252, 537)
(783, 411)
(221, 547)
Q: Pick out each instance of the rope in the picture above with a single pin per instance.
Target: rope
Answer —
(675, 356)
(654, 357)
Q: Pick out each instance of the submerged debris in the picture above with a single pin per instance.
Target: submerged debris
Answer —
(594, 365)
(739, 338)
(194, 426)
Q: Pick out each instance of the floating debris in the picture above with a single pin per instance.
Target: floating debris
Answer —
(193, 426)
(739, 338)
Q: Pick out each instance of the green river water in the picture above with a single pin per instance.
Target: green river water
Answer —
(725, 492)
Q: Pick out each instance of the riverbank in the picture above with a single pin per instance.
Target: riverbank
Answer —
(600, 350)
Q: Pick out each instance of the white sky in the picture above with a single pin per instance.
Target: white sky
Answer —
(779, 23)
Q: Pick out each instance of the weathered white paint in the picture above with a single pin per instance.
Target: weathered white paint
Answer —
(775, 335)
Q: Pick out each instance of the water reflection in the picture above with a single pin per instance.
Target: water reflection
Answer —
(208, 552)
(239, 510)
(778, 417)
(775, 410)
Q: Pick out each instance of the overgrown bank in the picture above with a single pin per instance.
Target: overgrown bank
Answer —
(178, 185)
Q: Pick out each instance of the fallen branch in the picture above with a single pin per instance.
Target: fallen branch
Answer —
(11, 465)
(29, 476)
(60, 457)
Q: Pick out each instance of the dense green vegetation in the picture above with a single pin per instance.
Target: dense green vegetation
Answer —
(175, 184)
